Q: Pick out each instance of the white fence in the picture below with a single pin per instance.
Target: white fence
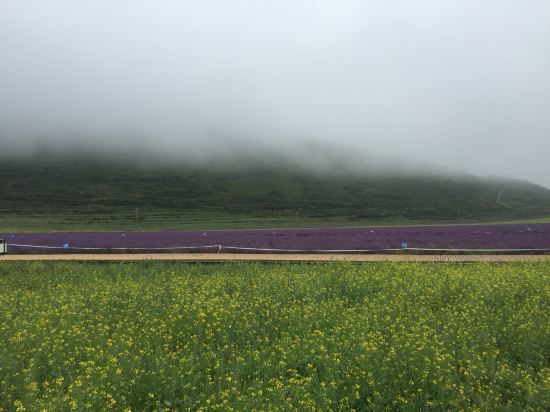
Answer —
(238, 249)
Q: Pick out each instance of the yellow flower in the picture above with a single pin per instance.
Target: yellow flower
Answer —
(18, 406)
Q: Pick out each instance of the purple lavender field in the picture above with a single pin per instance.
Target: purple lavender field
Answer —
(517, 236)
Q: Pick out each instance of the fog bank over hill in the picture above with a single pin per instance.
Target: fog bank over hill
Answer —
(430, 85)
(311, 157)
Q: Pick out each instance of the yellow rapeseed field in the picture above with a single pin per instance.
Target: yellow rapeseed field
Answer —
(245, 337)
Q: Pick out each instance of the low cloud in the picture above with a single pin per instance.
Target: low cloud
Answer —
(439, 83)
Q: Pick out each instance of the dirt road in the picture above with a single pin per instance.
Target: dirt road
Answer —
(225, 257)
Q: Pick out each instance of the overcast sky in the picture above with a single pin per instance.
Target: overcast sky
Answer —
(463, 84)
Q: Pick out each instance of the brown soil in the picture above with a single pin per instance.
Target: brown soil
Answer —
(210, 257)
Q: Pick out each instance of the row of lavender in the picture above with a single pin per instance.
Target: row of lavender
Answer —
(535, 236)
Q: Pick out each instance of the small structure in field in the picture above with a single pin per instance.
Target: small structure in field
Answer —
(3, 246)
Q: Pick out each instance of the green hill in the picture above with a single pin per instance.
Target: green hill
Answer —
(90, 194)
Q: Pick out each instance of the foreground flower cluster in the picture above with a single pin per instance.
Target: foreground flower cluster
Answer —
(384, 336)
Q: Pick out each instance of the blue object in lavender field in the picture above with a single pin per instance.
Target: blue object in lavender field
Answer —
(65, 245)
(453, 237)
(405, 245)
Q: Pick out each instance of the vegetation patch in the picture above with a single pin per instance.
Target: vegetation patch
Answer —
(63, 194)
(378, 336)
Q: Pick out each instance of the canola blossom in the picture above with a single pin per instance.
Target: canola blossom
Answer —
(245, 337)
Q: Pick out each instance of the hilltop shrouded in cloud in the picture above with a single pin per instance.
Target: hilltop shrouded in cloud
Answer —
(455, 84)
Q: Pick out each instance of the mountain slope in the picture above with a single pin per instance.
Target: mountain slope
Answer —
(81, 193)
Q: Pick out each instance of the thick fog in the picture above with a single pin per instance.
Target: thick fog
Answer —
(449, 84)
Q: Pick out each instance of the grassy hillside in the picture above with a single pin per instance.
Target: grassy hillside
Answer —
(86, 194)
